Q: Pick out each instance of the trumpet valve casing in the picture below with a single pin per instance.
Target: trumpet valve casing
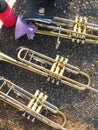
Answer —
(79, 29)
(58, 68)
(31, 105)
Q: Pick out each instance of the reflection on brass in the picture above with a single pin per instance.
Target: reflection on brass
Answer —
(78, 30)
(42, 11)
(31, 105)
(54, 69)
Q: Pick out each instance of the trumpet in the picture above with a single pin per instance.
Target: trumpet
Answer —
(78, 30)
(56, 70)
(30, 105)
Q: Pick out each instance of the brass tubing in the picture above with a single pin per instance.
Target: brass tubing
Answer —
(8, 59)
(46, 71)
(89, 25)
(65, 80)
(62, 35)
(25, 108)
(63, 30)
(63, 19)
(21, 49)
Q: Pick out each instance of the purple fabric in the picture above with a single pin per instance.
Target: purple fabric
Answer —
(23, 28)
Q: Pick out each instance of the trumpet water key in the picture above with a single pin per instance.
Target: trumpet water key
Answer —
(31, 105)
(56, 70)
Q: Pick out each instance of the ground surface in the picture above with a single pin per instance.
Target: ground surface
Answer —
(81, 108)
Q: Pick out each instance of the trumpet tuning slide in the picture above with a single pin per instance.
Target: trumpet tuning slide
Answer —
(55, 69)
(33, 105)
(78, 28)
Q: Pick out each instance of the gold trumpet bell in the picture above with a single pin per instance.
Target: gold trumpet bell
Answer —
(31, 105)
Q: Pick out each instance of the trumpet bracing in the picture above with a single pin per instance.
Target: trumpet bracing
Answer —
(54, 69)
(78, 30)
(31, 105)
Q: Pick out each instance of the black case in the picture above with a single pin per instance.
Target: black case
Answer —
(44, 9)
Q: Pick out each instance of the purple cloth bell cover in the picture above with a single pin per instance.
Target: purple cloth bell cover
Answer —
(23, 28)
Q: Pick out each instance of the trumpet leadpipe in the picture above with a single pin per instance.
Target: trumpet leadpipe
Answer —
(39, 103)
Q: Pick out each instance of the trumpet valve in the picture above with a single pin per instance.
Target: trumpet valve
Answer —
(43, 64)
(53, 81)
(24, 114)
(58, 82)
(33, 120)
(78, 40)
(48, 79)
(57, 44)
(28, 117)
(83, 41)
(73, 39)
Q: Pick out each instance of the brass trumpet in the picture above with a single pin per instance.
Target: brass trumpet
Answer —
(78, 30)
(31, 105)
(54, 69)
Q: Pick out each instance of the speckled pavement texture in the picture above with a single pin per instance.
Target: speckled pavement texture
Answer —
(81, 108)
